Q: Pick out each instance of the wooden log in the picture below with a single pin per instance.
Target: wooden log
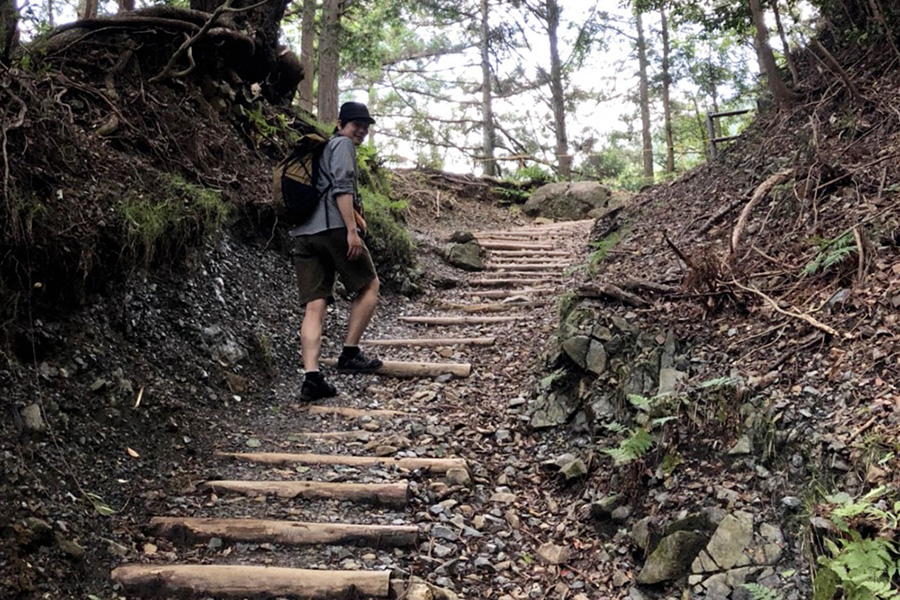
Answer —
(547, 253)
(396, 368)
(386, 494)
(525, 267)
(458, 320)
(240, 581)
(355, 434)
(493, 307)
(430, 465)
(289, 533)
(505, 282)
(433, 342)
(611, 291)
(515, 246)
(506, 293)
(349, 412)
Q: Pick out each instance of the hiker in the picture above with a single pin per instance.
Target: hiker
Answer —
(330, 243)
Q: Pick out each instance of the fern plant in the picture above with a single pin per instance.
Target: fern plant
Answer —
(631, 448)
(865, 567)
(831, 252)
(761, 592)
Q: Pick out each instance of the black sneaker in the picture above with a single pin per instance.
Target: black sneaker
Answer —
(316, 390)
(358, 364)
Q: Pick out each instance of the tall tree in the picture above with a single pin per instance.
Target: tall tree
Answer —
(783, 96)
(666, 84)
(329, 61)
(9, 29)
(558, 99)
(88, 9)
(788, 59)
(307, 54)
(646, 133)
(489, 162)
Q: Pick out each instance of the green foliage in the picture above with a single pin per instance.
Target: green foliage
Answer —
(631, 448)
(162, 226)
(761, 592)
(831, 252)
(864, 560)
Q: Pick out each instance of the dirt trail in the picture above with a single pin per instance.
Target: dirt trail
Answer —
(419, 471)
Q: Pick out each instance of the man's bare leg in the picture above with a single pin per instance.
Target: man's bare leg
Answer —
(311, 334)
(361, 312)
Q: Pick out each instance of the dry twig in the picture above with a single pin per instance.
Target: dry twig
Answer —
(803, 317)
(764, 188)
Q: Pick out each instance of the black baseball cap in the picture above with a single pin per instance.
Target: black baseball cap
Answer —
(355, 111)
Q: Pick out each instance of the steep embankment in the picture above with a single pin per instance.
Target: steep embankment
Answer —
(746, 317)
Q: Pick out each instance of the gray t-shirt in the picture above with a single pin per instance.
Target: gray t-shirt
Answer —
(337, 168)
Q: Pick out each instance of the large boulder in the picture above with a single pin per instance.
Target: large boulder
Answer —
(466, 256)
(565, 201)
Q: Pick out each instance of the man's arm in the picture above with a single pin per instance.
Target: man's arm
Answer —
(354, 242)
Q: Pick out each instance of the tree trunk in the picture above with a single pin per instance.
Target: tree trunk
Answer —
(564, 161)
(645, 99)
(126, 5)
(489, 167)
(329, 62)
(51, 14)
(795, 76)
(781, 94)
(88, 9)
(666, 83)
(308, 54)
(701, 126)
(9, 31)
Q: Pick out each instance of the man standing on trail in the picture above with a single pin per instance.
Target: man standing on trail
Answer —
(329, 243)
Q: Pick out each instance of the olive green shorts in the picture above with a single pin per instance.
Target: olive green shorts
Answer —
(319, 257)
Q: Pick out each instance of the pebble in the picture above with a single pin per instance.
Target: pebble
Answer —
(791, 502)
(444, 533)
(442, 551)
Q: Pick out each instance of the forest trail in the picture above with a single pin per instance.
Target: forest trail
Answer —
(370, 493)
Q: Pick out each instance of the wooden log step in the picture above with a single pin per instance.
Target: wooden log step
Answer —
(349, 412)
(396, 368)
(386, 494)
(526, 267)
(505, 282)
(431, 465)
(458, 320)
(434, 342)
(289, 533)
(353, 434)
(527, 260)
(507, 293)
(241, 581)
(493, 307)
(525, 274)
(544, 254)
(489, 245)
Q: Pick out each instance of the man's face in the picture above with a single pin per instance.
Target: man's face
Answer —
(356, 131)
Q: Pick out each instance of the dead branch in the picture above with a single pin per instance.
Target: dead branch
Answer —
(647, 286)
(861, 256)
(712, 220)
(15, 123)
(611, 291)
(185, 48)
(764, 188)
(678, 253)
(802, 316)
(838, 69)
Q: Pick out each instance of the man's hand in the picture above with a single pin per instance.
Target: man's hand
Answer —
(354, 244)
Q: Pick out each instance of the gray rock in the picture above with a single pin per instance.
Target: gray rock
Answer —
(703, 564)
(669, 378)
(32, 419)
(791, 502)
(595, 360)
(742, 447)
(442, 551)
(570, 201)
(574, 469)
(466, 256)
(228, 352)
(551, 554)
(621, 514)
(458, 476)
(576, 348)
(502, 436)
(602, 507)
(552, 409)
(717, 587)
(672, 557)
(444, 533)
(729, 544)
(771, 533)
(641, 533)
(461, 237)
